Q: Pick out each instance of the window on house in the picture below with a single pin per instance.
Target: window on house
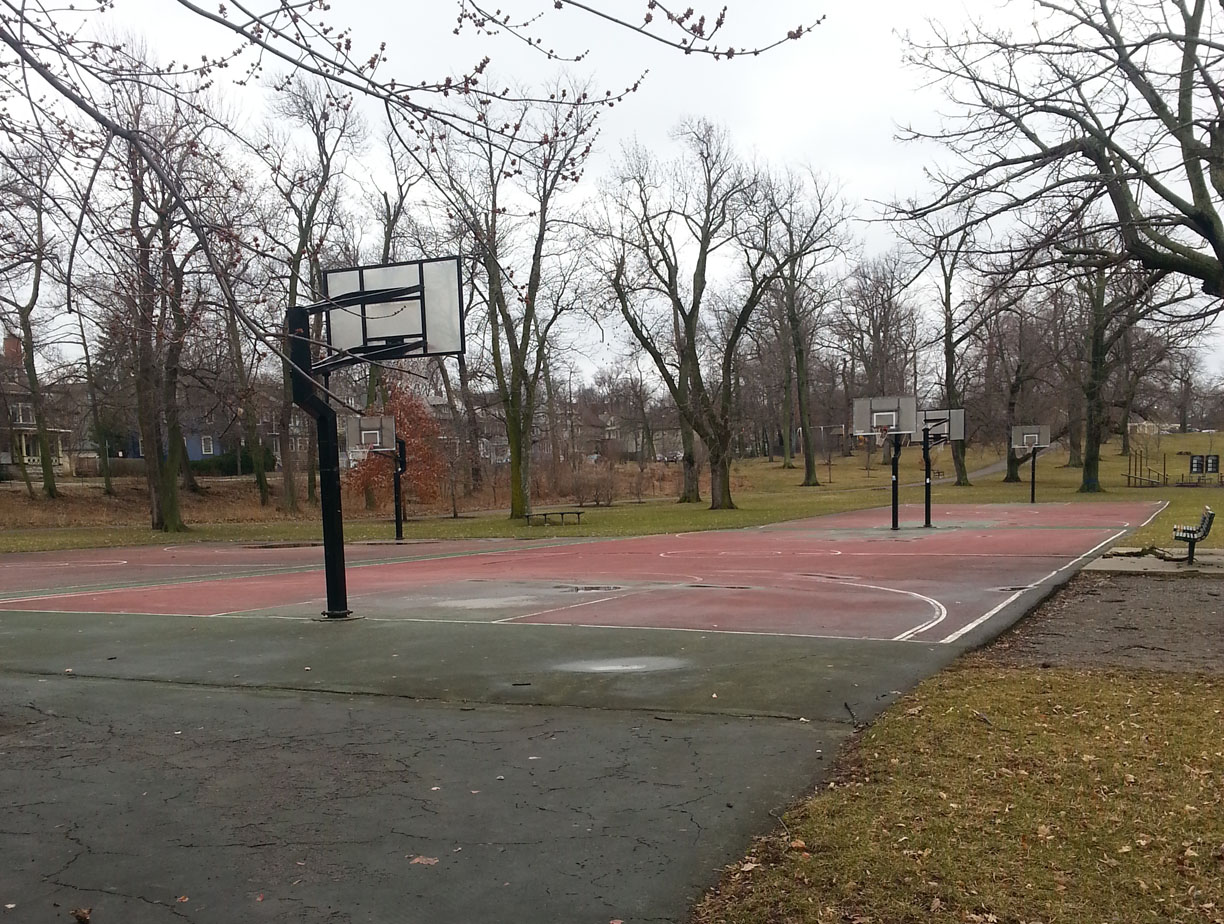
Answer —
(206, 445)
(22, 413)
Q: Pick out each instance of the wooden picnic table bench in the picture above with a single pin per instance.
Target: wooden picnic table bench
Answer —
(1195, 534)
(543, 516)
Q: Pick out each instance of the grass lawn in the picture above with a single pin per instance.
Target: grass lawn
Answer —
(764, 492)
(1008, 795)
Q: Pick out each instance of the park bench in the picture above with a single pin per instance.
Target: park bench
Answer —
(1194, 534)
(543, 516)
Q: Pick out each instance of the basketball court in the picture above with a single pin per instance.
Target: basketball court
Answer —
(845, 577)
(549, 729)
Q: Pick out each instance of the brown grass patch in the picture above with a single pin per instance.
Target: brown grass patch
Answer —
(1004, 795)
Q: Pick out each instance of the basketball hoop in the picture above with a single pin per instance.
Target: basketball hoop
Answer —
(882, 435)
(357, 455)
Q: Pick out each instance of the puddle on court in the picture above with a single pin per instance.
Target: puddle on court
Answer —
(643, 664)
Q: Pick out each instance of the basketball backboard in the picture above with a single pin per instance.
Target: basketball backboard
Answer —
(885, 415)
(364, 433)
(1030, 436)
(392, 310)
(948, 424)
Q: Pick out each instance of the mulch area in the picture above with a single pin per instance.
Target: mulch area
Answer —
(1122, 621)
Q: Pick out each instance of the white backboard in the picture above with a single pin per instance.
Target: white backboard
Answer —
(897, 413)
(426, 319)
(947, 424)
(1030, 436)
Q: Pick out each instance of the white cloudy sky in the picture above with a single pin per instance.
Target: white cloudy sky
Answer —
(834, 99)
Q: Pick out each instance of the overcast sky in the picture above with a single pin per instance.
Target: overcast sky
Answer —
(834, 99)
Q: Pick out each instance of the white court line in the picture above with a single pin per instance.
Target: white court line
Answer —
(750, 632)
(237, 614)
(569, 606)
(994, 611)
(101, 563)
(744, 553)
(569, 625)
(941, 611)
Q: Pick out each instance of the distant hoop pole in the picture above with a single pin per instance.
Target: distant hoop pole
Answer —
(401, 466)
(1033, 479)
(896, 481)
(926, 461)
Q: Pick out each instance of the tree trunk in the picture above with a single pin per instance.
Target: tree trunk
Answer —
(172, 513)
(720, 474)
(520, 498)
(1013, 399)
(45, 459)
(312, 439)
(1096, 415)
(1014, 462)
(555, 434)
(175, 455)
(802, 384)
(690, 492)
(250, 420)
(1075, 427)
(289, 498)
(473, 424)
(95, 415)
(787, 418)
(952, 397)
(958, 462)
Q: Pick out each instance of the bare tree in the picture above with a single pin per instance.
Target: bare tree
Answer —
(306, 181)
(876, 325)
(27, 249)
(1113, 100)
(509, 197)
(804, 204)
(663, 231)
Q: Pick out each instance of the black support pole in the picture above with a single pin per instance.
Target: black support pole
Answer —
(926, 461)
(401, 466)
(333, 516)
(896, 496)
(305, 396)
(1033, 479)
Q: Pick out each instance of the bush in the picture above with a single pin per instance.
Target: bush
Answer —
(226, 464)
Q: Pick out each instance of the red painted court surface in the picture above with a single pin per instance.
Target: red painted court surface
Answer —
(843, 576)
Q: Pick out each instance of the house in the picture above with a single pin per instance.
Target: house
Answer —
(19, 435)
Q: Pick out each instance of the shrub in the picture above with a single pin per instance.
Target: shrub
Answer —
(226, 463)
